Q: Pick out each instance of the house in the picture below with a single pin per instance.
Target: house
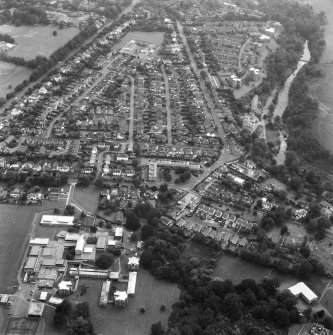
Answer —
(119, 217)
(118, 233)
(15, 194)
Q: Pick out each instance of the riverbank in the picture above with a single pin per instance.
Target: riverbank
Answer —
(322, 89)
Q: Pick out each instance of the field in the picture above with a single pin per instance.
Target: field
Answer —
(150, 293)
(22, 326)
(11, 74)
(35, 41)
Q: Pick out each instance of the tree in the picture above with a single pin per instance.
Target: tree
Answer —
(232, 306)
(69, 210)
(79, 326)
(132, 221)
(157, 329)
(328, 323)
(104, 261)
(147, 231)
(54, 33)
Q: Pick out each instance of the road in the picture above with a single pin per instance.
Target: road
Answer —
(167, 102)
(131, 124)
(202, 84)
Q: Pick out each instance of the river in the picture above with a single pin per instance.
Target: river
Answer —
(323, 88)
(283, 99)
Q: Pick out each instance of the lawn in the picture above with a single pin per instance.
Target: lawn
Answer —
(150, 293)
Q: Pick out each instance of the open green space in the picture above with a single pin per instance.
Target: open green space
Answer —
(35, 41)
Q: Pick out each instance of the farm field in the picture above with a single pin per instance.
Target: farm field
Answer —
(87, 197)
(35, 41)
(150, 293)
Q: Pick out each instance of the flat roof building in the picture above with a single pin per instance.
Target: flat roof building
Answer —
(300, 289)
(131, 283)
(118, 233)
(54, 220)
(39, 241)
(152, 171)
(105, 293)
(36, 308)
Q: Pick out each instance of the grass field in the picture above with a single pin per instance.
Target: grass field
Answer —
(22, 326)
(150, 293)
(35, 41)
(87, 197)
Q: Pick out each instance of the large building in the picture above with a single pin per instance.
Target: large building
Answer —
(54, 220)
(301, 290)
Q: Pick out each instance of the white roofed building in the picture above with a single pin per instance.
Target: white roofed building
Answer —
(303, 291)
(54, 220)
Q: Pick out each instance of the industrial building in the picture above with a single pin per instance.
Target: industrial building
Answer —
(89, 273)
(105, 293)
(131, 283)
(60, 220)
(303, 291)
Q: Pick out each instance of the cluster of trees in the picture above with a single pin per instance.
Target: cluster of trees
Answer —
(301, 111)
(210, 307)
(184, 175)
(75, 319)
(7, 38)
(298, 19)
(32, 63)
(23, 14)
(142, 210)
(104, 261)
(162, 254)
(280, 259)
